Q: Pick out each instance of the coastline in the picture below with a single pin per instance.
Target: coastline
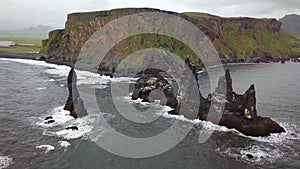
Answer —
(32, 56)
(39, 57)
(249, 149)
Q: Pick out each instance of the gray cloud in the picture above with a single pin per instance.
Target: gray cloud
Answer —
(253, 8)
(25, 13)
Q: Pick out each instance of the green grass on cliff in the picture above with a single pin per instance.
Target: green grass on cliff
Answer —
(245, 41)
(231, 38)
(21, 41)
(145, 41)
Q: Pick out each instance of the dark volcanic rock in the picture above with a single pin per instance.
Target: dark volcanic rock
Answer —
(239, 111)
(74, 103)
(262, 126)
(249, 155)
(48, 118)
(236, 103)
(153, 86)
(225, 85)
(41, 58)
(50, 121)
(72, 128)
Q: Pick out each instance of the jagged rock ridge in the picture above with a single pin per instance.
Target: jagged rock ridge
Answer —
(239, 111)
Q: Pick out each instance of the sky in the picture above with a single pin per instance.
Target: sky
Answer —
(20, 14)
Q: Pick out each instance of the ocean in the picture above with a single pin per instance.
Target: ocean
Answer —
(32, 90)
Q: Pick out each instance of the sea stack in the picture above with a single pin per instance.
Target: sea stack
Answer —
(74, 103)
(239, 109)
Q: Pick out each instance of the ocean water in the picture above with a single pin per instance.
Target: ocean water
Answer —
(6, 43)
(32, 90)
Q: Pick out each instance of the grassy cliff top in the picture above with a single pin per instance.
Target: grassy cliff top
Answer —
(235, 38)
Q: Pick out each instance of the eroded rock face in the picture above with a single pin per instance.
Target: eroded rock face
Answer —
(66, 44)
(74, 103)
(239, 104)
(239, 109)
(150, 87)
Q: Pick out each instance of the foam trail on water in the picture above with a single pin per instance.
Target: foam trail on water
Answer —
(41, 88)
(207, 127)
(47, 148)
(5, 161)
(84, 77)
(59, 115)
(64, 144)
(252, 154)
(62, 120)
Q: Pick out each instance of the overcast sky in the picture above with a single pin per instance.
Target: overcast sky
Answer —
(24, 13)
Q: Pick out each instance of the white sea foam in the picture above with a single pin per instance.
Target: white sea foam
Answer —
(63, 120)
(207, 126)
(5, 161)
(84, 77)
(47, 148)
(53, 69)
(266, 149)
(64, 144)
(253, 154)
(37, 63)
(74, 134)
(59, 115)
(292, 132)
(7, 43)
(41, 88)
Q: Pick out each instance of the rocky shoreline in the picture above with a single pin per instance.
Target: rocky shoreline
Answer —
(37, 56)
(33, 56)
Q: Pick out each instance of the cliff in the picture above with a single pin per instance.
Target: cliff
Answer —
(235, 39)
(291, 24)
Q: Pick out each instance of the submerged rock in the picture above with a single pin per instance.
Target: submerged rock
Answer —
(48, 118)
(49, 121)
(72, 128)
(249, 156)
(74, 103)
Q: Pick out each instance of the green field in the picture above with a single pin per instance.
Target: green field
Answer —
(21, 41)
